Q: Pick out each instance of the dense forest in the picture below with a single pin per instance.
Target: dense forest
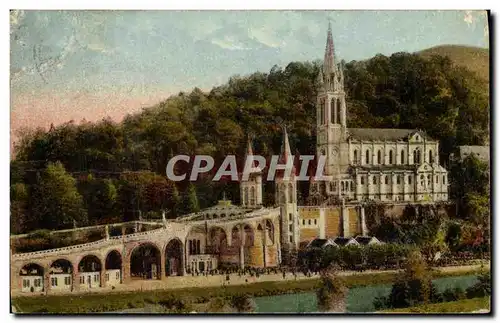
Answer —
(91, 173)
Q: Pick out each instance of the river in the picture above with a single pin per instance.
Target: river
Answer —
(359, 299)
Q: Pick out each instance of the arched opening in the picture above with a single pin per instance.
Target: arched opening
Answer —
(173, 258)
(249, 236)
(416, 156)
(245, 200)
(252, 196)
(145, 262)
(235, 237)
(386, 179)
(218, 239)
(355, 156)
(390, 157)
(269, 232)
(379, 157)
(259, 235)
(32, 278)
(113, 266)
(89, 271)
(339, 115)
(402, 157)
(367, 157)
(431, 157)
(333, 116)
(290, 193)
(61, 272)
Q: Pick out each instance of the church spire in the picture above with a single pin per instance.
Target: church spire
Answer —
(286, 152)
(329, 62)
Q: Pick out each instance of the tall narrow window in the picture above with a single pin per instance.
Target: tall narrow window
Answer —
(390, 157)
(374, 179)
(398, 179)
(245, 199)
(362, 180)
(339, 115)
(386, 179)
(379, 157)
(342, 186)
(402, 157)
(409, 179)
(355, 155)
(333, 116)
(367, 157)
(431, 158)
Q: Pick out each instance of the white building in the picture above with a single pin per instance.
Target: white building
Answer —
(386, 165)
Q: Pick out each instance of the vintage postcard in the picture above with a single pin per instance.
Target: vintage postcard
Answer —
(250, 162)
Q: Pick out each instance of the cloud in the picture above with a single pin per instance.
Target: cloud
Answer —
(229, 42)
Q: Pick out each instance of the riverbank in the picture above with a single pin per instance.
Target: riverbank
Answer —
(479, 305)
(118, 300)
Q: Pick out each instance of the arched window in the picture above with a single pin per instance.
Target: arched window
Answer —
(416, 156)
(431, 159)
(333, 116)
(386, 179)
(245, 200)
(402, 157)
(362, 180)
(409, 179)
(390, 157)
(367, 156)
(379, 157)
(428, 180)
(339, 115)
(355, 155)
(374, 179)
(322, 112)
(398, 179)
(252, 196)
(352, 186)
(421, 180)
(444, 179)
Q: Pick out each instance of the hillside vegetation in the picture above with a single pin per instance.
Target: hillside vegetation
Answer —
(475, 59)
(93, 173)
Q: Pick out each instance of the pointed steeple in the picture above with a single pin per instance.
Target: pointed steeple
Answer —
(329, 62)
(286, 152)
(249, 152)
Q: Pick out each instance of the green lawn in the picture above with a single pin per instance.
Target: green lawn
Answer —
(462, 306)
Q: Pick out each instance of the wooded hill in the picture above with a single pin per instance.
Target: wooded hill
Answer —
(110, 171)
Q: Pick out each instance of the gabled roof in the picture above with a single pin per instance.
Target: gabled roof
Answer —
(341, 241)
(365, 240)
(387, 134)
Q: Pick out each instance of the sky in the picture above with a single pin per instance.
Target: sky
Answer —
(74, 65)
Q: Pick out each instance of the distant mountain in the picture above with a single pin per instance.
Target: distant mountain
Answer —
(476, 59)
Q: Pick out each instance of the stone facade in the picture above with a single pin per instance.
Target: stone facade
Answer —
(386, 165)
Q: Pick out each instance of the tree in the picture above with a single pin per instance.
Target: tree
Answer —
(19, 219)
(414, 286)
(100, 196)
(243, 303)
(331, 295)
(56, 203)
(190, 201)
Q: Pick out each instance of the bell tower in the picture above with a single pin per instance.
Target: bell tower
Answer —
(331, 115)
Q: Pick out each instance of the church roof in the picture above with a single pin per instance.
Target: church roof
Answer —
(382, 168)
(387, 134)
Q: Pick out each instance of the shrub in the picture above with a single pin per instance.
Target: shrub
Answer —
(482, 288)
(453, 294)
